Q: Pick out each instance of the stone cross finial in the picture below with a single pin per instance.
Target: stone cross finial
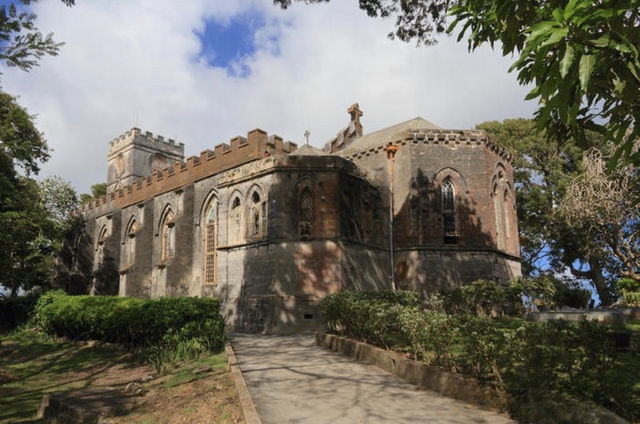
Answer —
(355, 126)
(355, 112)
(306, 135)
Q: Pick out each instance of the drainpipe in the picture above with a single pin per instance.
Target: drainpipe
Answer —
(391, 156)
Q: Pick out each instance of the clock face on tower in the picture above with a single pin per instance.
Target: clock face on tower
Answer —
(158, 162)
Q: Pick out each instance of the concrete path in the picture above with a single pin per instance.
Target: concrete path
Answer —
(293, 381)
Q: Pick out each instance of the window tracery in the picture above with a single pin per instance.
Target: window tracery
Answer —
(448, 211)
(211, 243)
(305, 211)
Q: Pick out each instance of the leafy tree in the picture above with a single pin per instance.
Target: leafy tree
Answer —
(97, 190)
(581, 56)
(21, 44)
(59, 200)
(544, 169)
(26, 240)
(606, 206)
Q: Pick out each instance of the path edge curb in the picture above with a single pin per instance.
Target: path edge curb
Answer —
(447, 384)
(247, 404)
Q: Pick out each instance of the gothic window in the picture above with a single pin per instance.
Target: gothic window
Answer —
(367, 217)
(305, 212)
(448, 211)
(130, 243)
(257, 216)
(505, 208)
(235, 221)
(211, 243)
(100, 248)
(501, 200)
(168, 236)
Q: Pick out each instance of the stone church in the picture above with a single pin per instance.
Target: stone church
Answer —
(270, 228)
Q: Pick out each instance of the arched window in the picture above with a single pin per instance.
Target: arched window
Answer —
(235, 221)
(305, 212)
(168, 236)
(501, 204)
(100, 248)
(448, 211)
(257, 216)
(211, 243)
(130, 243)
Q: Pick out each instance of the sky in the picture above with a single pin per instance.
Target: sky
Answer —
(202, 72)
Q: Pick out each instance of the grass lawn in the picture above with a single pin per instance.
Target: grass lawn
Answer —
(31, 366)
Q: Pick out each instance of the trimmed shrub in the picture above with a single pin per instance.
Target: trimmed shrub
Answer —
(484, 298)
(128, 321)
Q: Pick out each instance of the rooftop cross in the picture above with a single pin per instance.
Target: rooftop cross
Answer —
(306, 135)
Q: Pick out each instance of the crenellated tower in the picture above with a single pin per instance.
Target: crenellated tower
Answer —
(135, 155)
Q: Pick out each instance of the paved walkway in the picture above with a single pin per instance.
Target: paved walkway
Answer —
(294, 381)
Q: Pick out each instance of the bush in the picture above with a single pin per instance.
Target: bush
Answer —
(428, 335)
(631, 298)
(534, 363)
(628, 284)
(485, 298)
(15, 311)
(368, 316)
(130, 322)
(548, 292)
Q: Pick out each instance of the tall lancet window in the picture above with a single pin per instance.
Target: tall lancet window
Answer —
(100, 254)
(235, 221)
(305, 211)
(448, 212)
(211, 243)
(130, 243)
(168, 236)
(257, 216)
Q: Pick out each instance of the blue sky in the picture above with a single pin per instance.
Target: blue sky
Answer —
(225, 43)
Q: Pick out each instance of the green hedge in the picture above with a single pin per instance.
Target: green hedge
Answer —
(533, 363)
(128, 321)
(368, 316)
(484, 297)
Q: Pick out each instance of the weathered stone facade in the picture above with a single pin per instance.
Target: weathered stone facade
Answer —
(270, 228)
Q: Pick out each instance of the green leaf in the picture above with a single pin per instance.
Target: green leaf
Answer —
(566, 61)
(556, 35)
(558, 15)
(633, 70)
(539, 29)
(619, 85)
(570, 8)
(602, 41)
(533, 93)
(586, 68)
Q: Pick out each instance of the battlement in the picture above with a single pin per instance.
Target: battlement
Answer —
(136, 136)
(224, 156)
(445, 137)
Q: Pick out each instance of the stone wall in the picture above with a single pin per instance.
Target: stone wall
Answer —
(292, 227)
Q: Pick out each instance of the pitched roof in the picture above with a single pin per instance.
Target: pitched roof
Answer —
(307, 150)
(385, 135)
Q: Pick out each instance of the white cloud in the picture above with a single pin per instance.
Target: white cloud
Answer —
(137, 61)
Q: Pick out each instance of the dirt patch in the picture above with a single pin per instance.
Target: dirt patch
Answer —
(32, 367)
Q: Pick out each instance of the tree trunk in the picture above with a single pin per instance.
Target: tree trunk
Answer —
(595, 269)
